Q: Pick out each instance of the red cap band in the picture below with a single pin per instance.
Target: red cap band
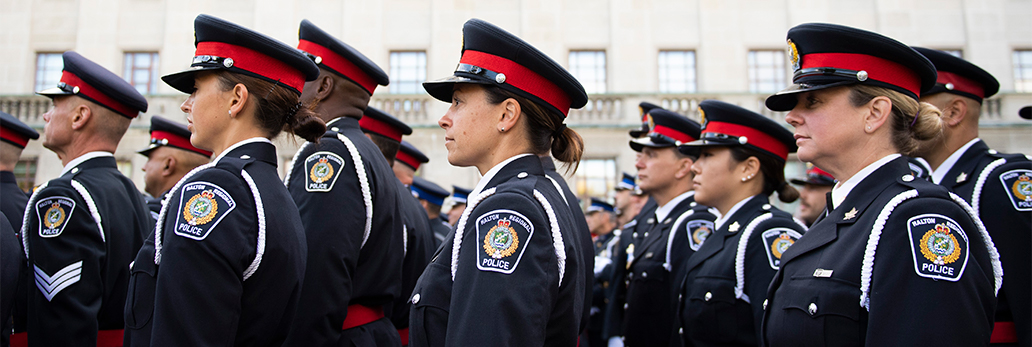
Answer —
(253, 61)
(407, 159)
(755, 137)
(671, 133)
(520, 77)
(379, 127)
(105, 100)
(878, 69)
(14, 137)
(817, 171)
(961, 83)
(338, 63)
(178, 141)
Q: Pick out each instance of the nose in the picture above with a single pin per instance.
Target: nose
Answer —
(187, 105)
(445, 121)
(696, 168)
(639, 162)
(793, 118)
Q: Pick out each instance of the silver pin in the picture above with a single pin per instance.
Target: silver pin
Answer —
(318, 60)
(812, 308)
(335, 129)
(743, 140)
(500, 78)
(245, 156)
(822, 273)
(861, 75)
(522, 175)
(908, 178)
(228, 63)
(75, 90)
(766, 206)
(949, 86)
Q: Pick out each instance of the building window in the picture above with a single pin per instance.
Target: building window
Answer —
(589, 67)
(141, 71)
(48, 70)
(25, 173)
(677, 72)
(1023, 71)
(767, 71)
(408, 72)
(595, 177)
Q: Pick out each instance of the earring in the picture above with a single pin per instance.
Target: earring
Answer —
(744, 179)
(230, 112)
(502, 130)
(868, 128)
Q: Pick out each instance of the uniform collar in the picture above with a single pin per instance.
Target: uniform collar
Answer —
(663, 211)
(238, 145)
(491, 173)
(8, 177)
(82, 158)
(730, 213)
(839, 193)
(940, 172)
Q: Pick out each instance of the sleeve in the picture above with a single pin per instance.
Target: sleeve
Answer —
(1006, 209)
(762, 260)
(65, 283)
(325, 186)
(931, 269)
(506, 275)
(208, 240)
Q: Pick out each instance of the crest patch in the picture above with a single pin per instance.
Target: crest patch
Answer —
(54, 213)
(939, 245)
(793, 56)
(202, 205)
(698, 232)
(777, 241)
(503, 236)
(1018, 184)
(322, 170)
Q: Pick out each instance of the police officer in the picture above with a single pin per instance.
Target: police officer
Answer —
(226, 260)
(458, 198)
(643, 110)
(897, 260)
(14, 136)
(82, 229)
(432, 196)
(816, 186)
(348, 199)
(513, 274)
(601, 220)
(408, 161)
(170, 156)
(10, 266)
(742, 157)
(666, 234)
(386, 132)
(998, 186)
(627, 205)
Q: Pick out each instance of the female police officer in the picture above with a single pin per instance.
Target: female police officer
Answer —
(225, 263)
(896, 260)
(741, 162)
(513, 272)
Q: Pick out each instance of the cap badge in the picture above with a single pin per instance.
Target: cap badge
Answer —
(500, 78)
(702, 117)
(652, 123)
(861, 75)
(228, 62)
(793, 55)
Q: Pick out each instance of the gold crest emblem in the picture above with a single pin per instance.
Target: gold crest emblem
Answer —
(939, 246)
(321, 171)
(501, 241)
(793, 55)
(1022, 188)
(652, 123)
(702, 117)
(781, 244)
(55, 215)
(701, 234)
(201, 208)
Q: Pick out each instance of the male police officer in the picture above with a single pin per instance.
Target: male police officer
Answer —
(83, 228)
(170, 156)
(348, 200)
(408, 161)
(601, 220)
(998, 186)
(812, 198)
(14, 136)
(432, 196)
(459, 197)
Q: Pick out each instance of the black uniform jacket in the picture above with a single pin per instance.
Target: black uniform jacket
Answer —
(348, 199)
(897, 263)
(225, 263)
(12, 199)
(419, 246)
(513, 272)
(656, 270)
(81, 232)
(11, 262)
(722, 295)
(441, 229)
(1005, 207)
(617, 293)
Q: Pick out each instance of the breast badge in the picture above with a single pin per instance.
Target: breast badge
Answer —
(54, 213)
(940, 247)
(504, 235)
(698, 232)
(202, 206)
(778, 240)
(323, 168)
(1018, 184)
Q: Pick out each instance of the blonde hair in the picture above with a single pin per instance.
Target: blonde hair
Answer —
(907, 132)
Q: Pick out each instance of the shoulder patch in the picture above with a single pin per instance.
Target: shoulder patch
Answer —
(54, 213)
(321, 171)
(698, 231)
(939, 247)
(503, 236)
(202, 206)
(1018, 185)
(777, 241)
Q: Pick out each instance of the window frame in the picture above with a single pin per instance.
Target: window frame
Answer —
(129, 70)
(594, 86)
(396, 72)
(692, 85)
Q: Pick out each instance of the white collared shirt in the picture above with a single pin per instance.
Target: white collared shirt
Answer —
(940, 172)
(721, 219)
(82, 158)
(238, 144)
(842, 189)
(491, 173)
(663, 211)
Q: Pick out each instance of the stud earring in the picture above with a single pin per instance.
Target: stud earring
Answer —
(868, 128)
(502, 130)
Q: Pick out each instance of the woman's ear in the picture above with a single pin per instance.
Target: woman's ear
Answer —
(510, 115)
(238, 99)
(879, 110)
(749, 168)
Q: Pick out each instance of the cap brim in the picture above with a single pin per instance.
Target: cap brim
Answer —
(54, 92)
(183, 81)
(146, 151)
(797, 182)
(641, 142)
(636, 133)
(785, 100)
(693, 148)
(441, 89)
